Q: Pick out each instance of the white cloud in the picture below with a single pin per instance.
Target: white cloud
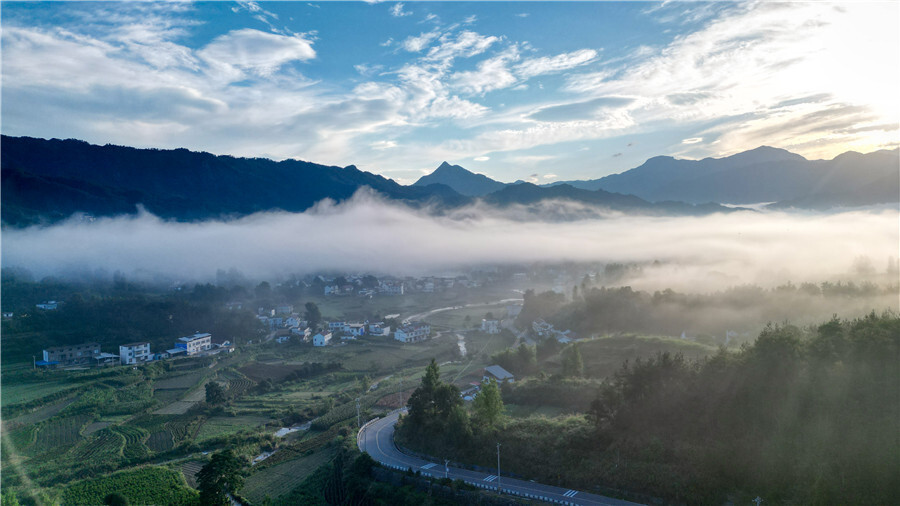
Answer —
(491, 74)
(465, 45)
(481, 158)
(551, 64)
(754, 58)
(692, 140)
(255, 51)
(550, 176)
(382, 145)
(398, 12)
(415, 44)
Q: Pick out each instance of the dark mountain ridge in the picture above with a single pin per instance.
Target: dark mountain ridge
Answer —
(178, 183)
(461, 180)
(44, 181)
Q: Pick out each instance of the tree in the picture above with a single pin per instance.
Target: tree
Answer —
(220, 477)
(312, 314)
(215, 394)
(263, 290)
(573, 365)
(488, 404)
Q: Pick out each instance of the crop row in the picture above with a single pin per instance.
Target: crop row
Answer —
(302, 448)
(160, 441)
(22, 437)
(134, 441)
(237, 386)
(103, 446)
(61, 432)
(342, 412)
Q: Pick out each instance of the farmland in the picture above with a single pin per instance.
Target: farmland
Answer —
(72, 434)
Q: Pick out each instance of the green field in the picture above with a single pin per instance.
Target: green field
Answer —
(18, 393)
(276, 481)
(226, 426)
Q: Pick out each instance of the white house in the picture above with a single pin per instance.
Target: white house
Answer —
(195, 344)
(305, 332)
(336, 326)
(490, 326)
(135, 353)
(412, 332)
(379, 329)
(48, 305)
(321, 339)
(282, 339)
(353, 330)
(498, 373)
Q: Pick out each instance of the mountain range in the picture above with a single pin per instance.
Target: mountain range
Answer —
(761, 175)
(44, 181)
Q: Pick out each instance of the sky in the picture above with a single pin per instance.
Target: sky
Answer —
(514, 90)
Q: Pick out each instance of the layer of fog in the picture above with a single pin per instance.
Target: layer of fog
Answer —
(366, 234)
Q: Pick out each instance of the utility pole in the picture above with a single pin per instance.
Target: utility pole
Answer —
(400, 393)
(358, 425)
(446, 468)
(758, 500)
(499, 489)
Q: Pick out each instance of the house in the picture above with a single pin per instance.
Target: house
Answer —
(305, 332)
(336, 326)
(135, 353)
(48, 305)
(412, 332)
(498, 373)
(490, 326)
(282, 339)
(284, 309)
(379, 329)
(354, 330)
(541, 328)
(194, 344)
(332, 289)
(73, 354)
(107, 358)
(321, 339)
(7, 315)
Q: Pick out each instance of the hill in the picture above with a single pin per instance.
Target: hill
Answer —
(46, 180)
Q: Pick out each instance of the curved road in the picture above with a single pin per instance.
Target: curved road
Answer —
(377, 439)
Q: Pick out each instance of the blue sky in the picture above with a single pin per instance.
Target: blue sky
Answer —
(515, 90)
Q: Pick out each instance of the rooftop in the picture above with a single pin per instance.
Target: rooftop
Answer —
(498, 372)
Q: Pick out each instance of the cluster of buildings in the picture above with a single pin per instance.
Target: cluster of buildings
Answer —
(129, 353)
(396, 286)
(544, 329)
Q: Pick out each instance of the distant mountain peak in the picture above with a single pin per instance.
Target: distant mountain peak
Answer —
(460, 179)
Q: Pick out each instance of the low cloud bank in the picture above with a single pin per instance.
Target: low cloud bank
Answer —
(366, 234)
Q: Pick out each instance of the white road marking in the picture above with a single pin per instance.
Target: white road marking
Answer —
(570, 493)
(490, 478)
(428, 466)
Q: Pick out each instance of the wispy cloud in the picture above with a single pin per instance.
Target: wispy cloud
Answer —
(398, 12)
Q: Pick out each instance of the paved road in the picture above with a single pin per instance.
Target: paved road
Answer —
(377, 439)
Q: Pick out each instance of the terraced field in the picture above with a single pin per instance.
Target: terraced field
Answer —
(190, 470)
(60, 433)
(276, 481)
(160, 441)
(94, 427)
(134, 441)
(106, 445)
(189, 380)
(301, 448)
(225, 426)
